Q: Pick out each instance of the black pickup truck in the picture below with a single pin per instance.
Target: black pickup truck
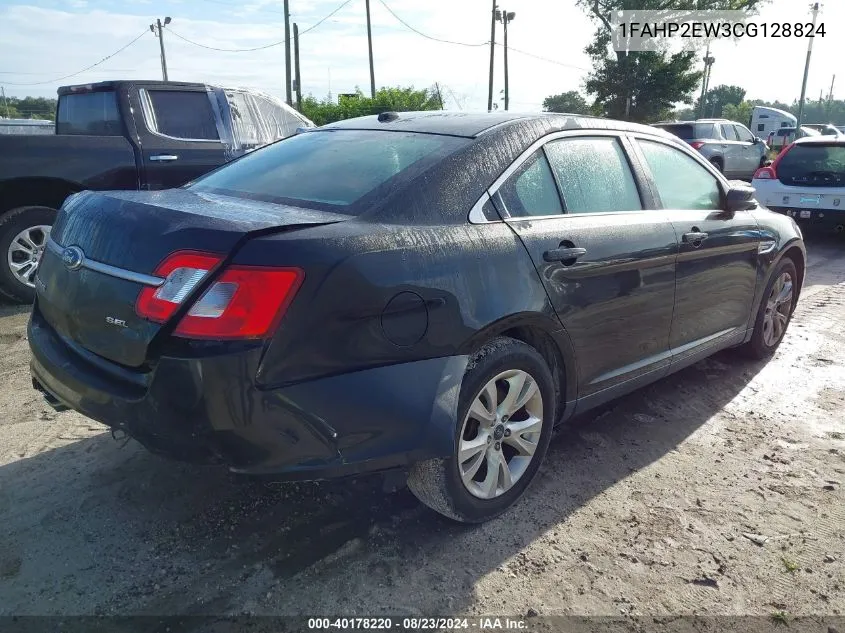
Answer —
(122, 135)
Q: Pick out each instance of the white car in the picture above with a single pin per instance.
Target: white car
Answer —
(807, 182)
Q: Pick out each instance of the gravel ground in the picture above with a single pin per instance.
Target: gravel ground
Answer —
(715, 491)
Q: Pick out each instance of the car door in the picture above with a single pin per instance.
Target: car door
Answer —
(732, 150)
(751, 150)
(181, 138)
(716, 271)
(605, 257)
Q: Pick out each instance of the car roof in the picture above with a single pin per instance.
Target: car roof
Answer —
(115, 85)
(821, 140)
(474, 124)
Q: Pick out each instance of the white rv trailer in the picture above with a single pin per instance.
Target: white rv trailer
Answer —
(765, 120)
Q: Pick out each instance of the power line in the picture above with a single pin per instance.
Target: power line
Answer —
(79, 72)
(428, 37)
(545, 59)
(258, 48)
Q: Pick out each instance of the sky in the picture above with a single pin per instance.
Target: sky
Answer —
(44, 40)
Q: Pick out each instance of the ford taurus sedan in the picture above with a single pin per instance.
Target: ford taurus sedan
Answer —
(423, 293)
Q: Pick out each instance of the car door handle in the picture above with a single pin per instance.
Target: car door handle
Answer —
(695, 237)
(564, 254)
(164, 158)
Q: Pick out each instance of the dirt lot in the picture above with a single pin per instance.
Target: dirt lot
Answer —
(717, 491)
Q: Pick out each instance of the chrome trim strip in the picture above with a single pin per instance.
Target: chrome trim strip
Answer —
(476, 214)
(108, 269)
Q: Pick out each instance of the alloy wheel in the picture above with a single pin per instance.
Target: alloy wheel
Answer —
(778, 309)
(500, 434)
(24, 253)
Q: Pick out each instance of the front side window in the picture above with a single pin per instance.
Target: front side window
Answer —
(681, 181)
(728, 132)
(182, 114)
(89, 113)
(594, 175)
(531, 190)
(744, 135)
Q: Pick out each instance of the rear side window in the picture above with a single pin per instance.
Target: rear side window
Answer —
(594, 175)
(531, 190)
(681, 182)
(245, 121)
(819, 165)
(330, 169)
(90, 113)
(181, 114)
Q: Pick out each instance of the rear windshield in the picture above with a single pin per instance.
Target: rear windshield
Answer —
(89, 113)
(342, 170)
(689, 131)
(816, 165)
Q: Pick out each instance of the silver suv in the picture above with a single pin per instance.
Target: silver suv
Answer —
(730, 146)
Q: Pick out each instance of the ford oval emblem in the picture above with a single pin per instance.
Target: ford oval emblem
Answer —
(73, 257)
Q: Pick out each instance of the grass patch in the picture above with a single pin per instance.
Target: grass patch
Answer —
(790, 565)
(780, 617)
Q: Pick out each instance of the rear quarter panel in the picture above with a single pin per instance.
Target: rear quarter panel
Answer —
(383, 294)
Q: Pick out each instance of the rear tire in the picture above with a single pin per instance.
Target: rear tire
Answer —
(717, 163)
(23, 236)
(775, 312)
(500, 442)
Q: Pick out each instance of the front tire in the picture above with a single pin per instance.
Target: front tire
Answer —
(775, 311)
(23, 237)
(505, 417)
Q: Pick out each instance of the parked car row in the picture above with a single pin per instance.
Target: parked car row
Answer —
(729, 146)
(418, 293)
(141, 135)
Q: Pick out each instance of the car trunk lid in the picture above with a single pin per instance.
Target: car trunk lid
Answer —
(123, 237)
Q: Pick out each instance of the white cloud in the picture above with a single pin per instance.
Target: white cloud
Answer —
(334, 56)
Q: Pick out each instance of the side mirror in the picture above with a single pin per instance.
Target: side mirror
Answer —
(740, 197)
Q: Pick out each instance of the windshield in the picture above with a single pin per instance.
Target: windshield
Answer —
(817, 165)
(338, 170)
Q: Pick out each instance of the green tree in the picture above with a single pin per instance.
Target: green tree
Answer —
(717, 98)
(740, 112)
(643, 85)
(570, 102)
(28, 108)
(396, 99)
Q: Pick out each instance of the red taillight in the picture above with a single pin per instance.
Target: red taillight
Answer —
(697, 144)
(771, 172)
(182, 271)
(245, 302)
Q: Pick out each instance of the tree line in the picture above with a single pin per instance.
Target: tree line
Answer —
(28, 108)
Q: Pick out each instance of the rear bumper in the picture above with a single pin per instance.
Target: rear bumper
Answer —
(210, 410)
(822, 218)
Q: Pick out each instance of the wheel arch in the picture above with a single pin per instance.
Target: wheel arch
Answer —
(546, 335)
(32, 192)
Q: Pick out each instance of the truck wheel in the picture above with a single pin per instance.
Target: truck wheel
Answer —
(23, 236)
(505, 417)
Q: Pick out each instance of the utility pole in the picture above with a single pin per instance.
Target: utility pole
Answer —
(506, 19)
(705, 80)
(5, 101)
(830, 96)
(158, 29)
(815, 8)
(439, 96)
(492, 54)
(370, 46)
(297, 77)
(287, 54)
